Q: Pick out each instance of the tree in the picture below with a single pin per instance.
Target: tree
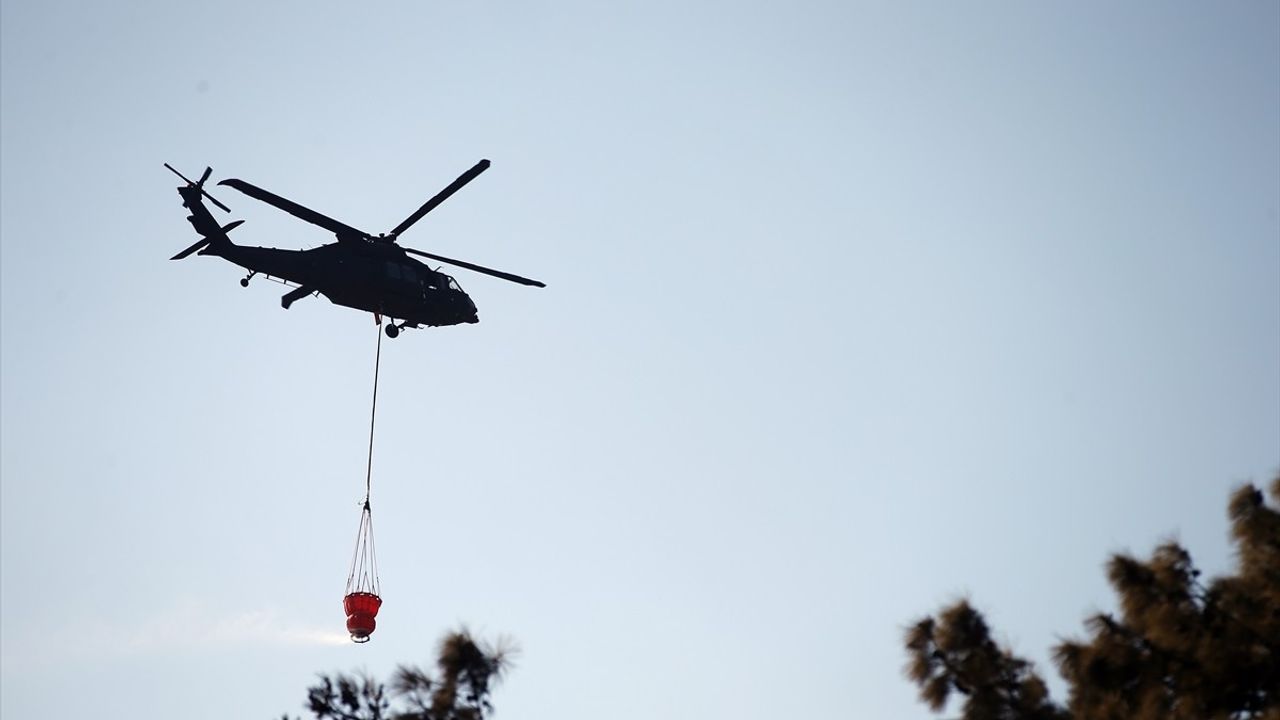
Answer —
(468, 672)
(1179, 650)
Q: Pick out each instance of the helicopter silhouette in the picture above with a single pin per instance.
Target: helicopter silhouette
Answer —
(362, 271)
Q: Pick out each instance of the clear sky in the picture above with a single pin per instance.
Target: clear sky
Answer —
(852, 309)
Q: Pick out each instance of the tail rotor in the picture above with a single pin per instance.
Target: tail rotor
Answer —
(199, 185)
(210, 231)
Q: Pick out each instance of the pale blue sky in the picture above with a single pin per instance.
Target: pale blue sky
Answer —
(852, 308)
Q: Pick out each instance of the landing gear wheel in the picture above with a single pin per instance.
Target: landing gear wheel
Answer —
(244, 282)
(392, 330)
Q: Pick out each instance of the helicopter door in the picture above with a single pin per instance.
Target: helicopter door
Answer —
(403, 279)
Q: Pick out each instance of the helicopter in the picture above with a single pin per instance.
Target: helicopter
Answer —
(362, 271)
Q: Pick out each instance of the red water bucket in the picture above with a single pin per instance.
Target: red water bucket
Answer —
(361, 609)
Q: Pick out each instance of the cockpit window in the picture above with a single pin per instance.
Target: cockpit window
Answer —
(393, 270)
(409, 274)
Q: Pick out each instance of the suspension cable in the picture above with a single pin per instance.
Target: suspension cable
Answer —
(373, 414)
(364, 568)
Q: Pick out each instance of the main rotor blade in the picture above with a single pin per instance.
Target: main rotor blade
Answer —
(441, 196)
(342, 230)
(479, 268)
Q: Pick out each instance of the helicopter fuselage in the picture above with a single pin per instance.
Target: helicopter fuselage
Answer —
(365, 275)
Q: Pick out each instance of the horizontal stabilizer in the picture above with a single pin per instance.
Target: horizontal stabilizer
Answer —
(198, 244)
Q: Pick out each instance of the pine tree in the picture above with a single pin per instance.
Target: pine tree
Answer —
(1178, 650)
